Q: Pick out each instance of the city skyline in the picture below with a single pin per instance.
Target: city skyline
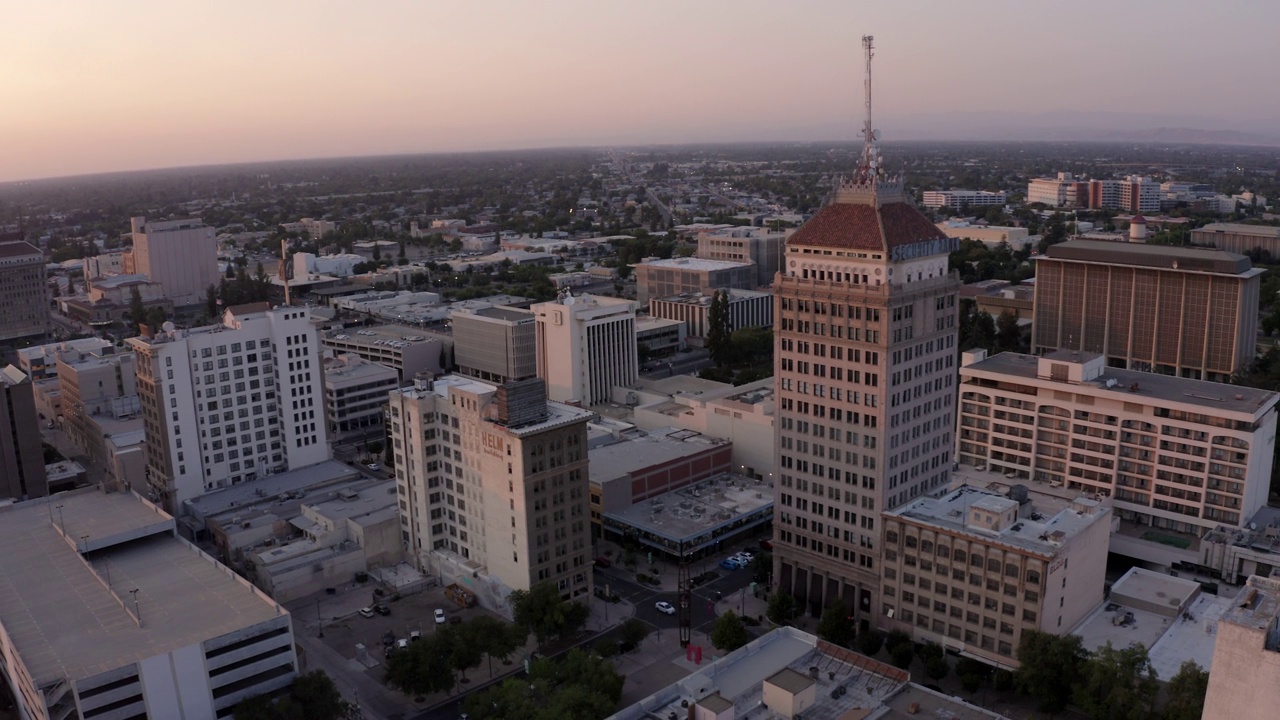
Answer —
(143, 85)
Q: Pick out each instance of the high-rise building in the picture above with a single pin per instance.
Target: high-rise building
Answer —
(865, 368)
(23, 292)
(759, 245)
(493, 485)
(1245, 682)
(494, 343)
(586, 347)
(229, 403)
(22, 473)
(181, 255)
(1191, 312)
(355, 396)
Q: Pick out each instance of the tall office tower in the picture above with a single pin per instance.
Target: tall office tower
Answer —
(229, 403)
(586, 347)
(23, 292)
(495, 344)
(21, 455)
(865, 368)
(181, 255)
(493, 485)
(1190, 312)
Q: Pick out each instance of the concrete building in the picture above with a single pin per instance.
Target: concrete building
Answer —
(747, 308)
(680, 276)
(1245, 682)
(1239, 238)
(1133, 193)
(659, 336)
(997, 297)
(493, 486)
(181, 255)
(355, 396)
(315, 229)
(22, 473)
(494, 343)
(865, 368)
(96, 386)
(759, 245)
(989, 235)
(960, 199)
(586, 347)
(974, 569)
(1191, 312)
(249, 393)
(306, 265)
(112, 263)
(174, 633)
(788, 673)
(1064, 190)
(407, 350)
(41, 361)
(23, 292)
(1175, 455)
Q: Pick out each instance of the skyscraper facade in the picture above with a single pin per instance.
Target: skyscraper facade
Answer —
(865, 368)
(586, 347)
(23, 292)
(22, 474)
(181, 255)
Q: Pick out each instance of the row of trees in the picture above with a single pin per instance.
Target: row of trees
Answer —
(579, 685)
(313, 696)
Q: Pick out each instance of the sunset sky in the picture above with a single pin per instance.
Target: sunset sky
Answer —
(130, 84)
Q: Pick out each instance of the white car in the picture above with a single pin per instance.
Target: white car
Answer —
(440, 618)
(374, 466)
(366, 612)
(664, 607)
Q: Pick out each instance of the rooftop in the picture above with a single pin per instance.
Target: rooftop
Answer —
(693, 263)
(115, 281)
(1257, 606)
(1133, 386)
(1270, 231)
(497, 312)
(690, 513)
(1167, 257)
(270, 487)
(699, 298)
(618, 460)
(865, 227)
(383, 335)
(1040, 527)
(557, 413)
(19, 249)
(57, 608)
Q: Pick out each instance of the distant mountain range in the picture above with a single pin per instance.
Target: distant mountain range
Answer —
(1076, 126)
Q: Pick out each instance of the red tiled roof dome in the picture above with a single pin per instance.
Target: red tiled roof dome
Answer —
(856, 226)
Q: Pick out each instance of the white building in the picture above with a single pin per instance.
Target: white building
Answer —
(115, 616)
(229, 403)
(962, 198)
(306, 265)
(181, 255)
(989, 235)
(41, 361)
(316, 229)
(747, 309)
(355, 393)
(1061, 191)
(586, 347)
(1174, 454)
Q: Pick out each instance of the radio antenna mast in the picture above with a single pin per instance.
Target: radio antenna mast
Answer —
(870, 165)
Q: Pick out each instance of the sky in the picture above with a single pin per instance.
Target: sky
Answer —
(89, 86)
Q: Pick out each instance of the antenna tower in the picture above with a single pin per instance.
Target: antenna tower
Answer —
(870, 165)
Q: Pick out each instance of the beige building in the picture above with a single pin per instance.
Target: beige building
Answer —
(22, 474)
(974, 569)
(315, 229)
(747, 308)
(659, 336)
(1064, 190)
(96, 385)
(759, 245)
(1173, 454)
(865, 368)
(180, 255)
(990, 235)
(355, 396)
(495, 343)
(743, 415)
(493, 486)
(680, 276)
(41, 361)
(1245, 682)
(23, 292)
(407, 350)
(1191, 312)
(1239, 237)
(586, 347)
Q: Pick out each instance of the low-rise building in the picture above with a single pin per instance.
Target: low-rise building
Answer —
(659, 337)
(495, 343)
(407, 350)
(41, 361)
(115, 616)
(1239, 237)
(681, 276)
(355, 396)
(315, 229)
(306, 265)
(759, 245)
(1245, 684)
(989, 235)
(997, 297)
(974, 569)
(960, 199)
(747, 308)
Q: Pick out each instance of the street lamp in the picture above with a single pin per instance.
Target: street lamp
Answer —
(137, 614)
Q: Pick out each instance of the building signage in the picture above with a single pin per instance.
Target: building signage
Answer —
(938, 246)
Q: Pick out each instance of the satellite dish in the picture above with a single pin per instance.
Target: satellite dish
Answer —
(168, 326)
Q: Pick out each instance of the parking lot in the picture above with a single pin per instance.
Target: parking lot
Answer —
(409, 613)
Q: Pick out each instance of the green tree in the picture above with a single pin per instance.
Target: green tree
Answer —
(1118, 685)
(1008, 334)
(580, 685)
(719, 336)
(542, 611)
(137, 311)
(1051, 666)
(902, 655)
(782, 608)
(836, 627)
(870, 642)
(729, 633)
(424, 667)
(634, 632)
(935, 661)
(1186, 692)
(313, 696)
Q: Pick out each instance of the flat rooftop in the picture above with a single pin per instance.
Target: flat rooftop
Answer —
(497, 312)
(557, 413)
(1134, 386)
(1040, 527)
(55, 604)
(692, 512)
(694, 263)
(619, 459)
(380, 335)
(1171, 257)
(1270, 231)
(272, 486)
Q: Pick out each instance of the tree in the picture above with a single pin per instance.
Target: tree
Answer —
(1118, 685)
(580, 685)
(719, 337)
(729, 633)
(137, 311)
(836, 627)
(542, 611)
(1186, 692)
(935, 661)
(312, 696)
(870, 642)
(782, 607)
(1008, 334)
(634, 632)
(1051, 666)
(424, 667)
(902, 655)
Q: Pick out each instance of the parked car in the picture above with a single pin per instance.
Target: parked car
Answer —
(766, 544)
(402, 643)
(366, 612)
(374, 466)
(388, 650)
(415, 635)
(382, 609)
(749, 554)
(389, 638)
(664, 607)
(603, 562)
(730, 563)
(440, 618)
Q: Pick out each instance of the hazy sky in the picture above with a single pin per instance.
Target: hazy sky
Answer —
(98, 86)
